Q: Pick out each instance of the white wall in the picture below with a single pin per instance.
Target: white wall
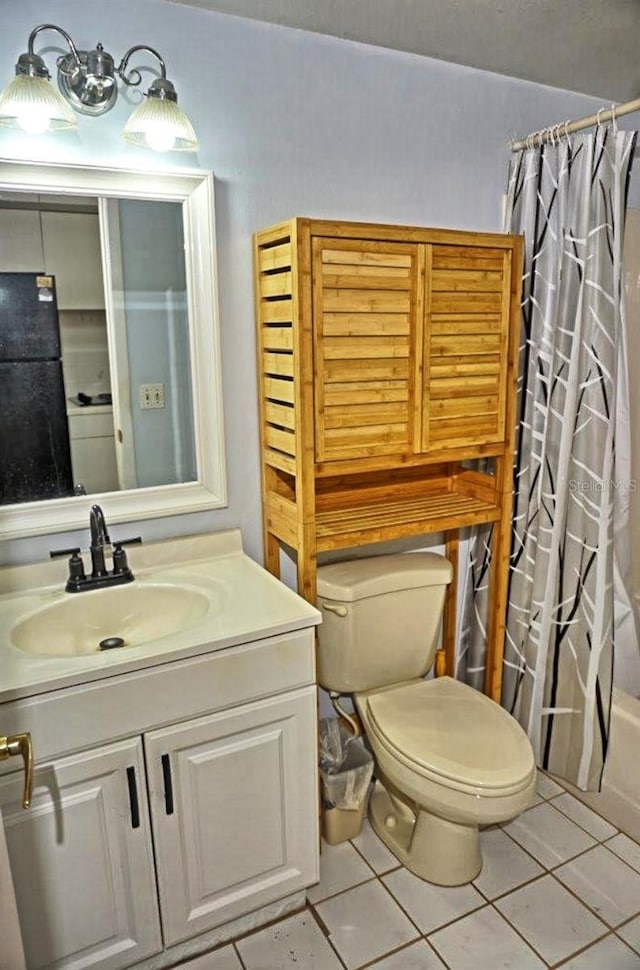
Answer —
(292, 124)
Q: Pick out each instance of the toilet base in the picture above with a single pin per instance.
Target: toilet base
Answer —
(433, 848)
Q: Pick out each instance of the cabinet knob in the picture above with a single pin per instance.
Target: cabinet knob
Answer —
(20, 744)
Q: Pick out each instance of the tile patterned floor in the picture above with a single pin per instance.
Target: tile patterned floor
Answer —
(560, 887)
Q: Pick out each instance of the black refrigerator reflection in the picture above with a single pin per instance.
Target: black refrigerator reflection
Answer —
(35, 457)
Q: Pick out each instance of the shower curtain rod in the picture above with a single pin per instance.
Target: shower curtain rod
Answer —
(568, 127)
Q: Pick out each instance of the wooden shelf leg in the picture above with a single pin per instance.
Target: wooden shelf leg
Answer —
(449, 617)
(272, 554)
(307, 564)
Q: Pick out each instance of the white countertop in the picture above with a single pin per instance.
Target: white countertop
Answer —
(248, 604)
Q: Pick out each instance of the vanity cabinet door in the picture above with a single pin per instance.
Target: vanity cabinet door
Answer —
(82, 861)
(234, 811)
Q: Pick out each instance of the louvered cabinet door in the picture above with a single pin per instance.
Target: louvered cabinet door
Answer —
(366, 300)
(467, 307)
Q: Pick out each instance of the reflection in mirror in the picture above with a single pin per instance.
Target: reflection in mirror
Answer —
(109, 356)
(58, 417)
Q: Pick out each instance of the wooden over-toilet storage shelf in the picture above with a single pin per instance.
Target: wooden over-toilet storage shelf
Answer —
(387, 360)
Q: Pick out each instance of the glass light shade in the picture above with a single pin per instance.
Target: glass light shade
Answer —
(161, 125)
(33, 104)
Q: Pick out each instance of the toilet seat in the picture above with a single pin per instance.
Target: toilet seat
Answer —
(452, 735)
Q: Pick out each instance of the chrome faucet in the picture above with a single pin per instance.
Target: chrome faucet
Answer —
(78, 580)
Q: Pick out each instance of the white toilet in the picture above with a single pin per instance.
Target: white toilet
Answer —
(448, 759)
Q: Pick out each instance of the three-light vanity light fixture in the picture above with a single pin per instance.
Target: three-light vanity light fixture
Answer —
(87, 82)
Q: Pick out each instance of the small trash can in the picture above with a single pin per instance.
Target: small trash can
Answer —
(346, 768)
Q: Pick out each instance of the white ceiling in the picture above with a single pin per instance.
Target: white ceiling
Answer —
(589, 46)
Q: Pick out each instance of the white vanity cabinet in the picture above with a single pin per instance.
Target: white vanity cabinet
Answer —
(190, 805)
(82, 860)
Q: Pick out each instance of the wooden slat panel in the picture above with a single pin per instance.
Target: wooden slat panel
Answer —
(355, 324)
(360, 257)
(456, 323)
(346, 416)
(280, 440)
(465, 357)
(459, 407)
(279, 390)
(367, 300)
(372, 433)
(275, 257)
(276, 311)
(467, 280)
(448, 302)
(402, 517)
(463, 345)
(365, 392)
(380, 279)
(280, 414)
(277, 459)
(358, 370)
(468, 257)
(457, 424)
(461, 386)
(364, 348)
(277, 338)
(277, 284)
(444, 367)
(280, 364)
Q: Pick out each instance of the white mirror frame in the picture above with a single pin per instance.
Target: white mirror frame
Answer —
(194, 189)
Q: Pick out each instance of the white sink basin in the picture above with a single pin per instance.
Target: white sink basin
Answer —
(137, 614)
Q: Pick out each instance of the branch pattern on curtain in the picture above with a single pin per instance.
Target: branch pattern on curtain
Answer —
(569, 201)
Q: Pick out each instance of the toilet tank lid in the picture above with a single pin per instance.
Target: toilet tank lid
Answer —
(359, 578)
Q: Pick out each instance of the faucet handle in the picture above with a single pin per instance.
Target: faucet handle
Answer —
(76, 568)
(120, 564)
(118, 543)
(55, 553)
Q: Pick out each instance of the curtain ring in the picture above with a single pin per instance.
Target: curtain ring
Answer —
(598, 113)
(614, 120)
(566, 129)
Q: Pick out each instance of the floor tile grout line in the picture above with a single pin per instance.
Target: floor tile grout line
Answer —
(616, 933)
(585, 949)
(632, 867)
(399, 949)
(340, 892)
(422, 932)
(569, 956)
(594, 912)
(324, 929)
(515, 889)
(571, 858)
(238, 954)
(507, 921)
(393, 898)
(363, 856)
(589, 809)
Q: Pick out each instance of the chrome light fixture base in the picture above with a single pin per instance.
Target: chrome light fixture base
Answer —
(88, 81)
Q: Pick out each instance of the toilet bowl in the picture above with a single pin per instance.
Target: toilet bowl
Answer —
(448, 759)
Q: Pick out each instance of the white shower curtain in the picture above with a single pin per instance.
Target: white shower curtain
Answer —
(568, 582)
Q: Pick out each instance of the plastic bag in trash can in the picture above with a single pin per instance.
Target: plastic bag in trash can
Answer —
(346, 766)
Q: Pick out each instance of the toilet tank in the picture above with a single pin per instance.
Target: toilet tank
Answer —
(380, 619)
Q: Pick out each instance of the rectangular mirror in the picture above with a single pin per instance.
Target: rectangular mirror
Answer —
(109, 346)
